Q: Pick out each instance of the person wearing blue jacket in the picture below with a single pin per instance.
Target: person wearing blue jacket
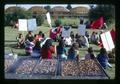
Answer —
(103, 58)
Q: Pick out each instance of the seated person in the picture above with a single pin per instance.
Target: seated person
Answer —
(29, 47)
(103, 58)
(29, 36)
(68, 41)
(73, 52)
(61, 51)
(20, 41)
(47, 49)
(90, 54)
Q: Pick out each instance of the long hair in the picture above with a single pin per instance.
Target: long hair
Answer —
(48, 43)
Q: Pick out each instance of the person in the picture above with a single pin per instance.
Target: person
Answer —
(29, 47)
(72, 36)
(94, 38)
(61, 51)
(73, 52)
(54, 33)
(40, 35)
(85, 41)
(90, 54)
(37, 47)
(20, 41)
(87, 35)
(47, 49)
(68, 41)
(79, 41)
(29, 36)
(102, 57)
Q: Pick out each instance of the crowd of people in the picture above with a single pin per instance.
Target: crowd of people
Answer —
(38, 45)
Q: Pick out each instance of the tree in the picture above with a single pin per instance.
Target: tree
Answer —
(47, 8)
(69, 6)
(107, 11)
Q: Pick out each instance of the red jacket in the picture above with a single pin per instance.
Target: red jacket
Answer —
(47, 53)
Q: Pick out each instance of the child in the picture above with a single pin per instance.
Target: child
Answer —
(73, 52)
(61, 52)
(47, 49)
(90, 54)
(103, 58)
(20, 41)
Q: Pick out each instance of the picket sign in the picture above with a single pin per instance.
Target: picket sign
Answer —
(81, 29)
(27, 24)
(107, 41)
(49, 19)
(66, 32)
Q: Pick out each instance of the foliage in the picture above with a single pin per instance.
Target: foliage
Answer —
(40, 20)
(107, 11)
(69, 6)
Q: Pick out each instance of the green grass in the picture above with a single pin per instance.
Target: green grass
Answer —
(10, 43)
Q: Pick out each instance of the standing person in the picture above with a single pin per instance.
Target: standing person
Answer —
(61, 51)
(102, 57)
(73, 52)
(20, 41)
(47, 49)
(29, 36)
(90, 54)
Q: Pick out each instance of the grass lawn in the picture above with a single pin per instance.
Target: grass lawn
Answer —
(10, 43)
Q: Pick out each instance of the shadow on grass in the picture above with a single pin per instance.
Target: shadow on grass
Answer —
(10, 41)
(11, 45)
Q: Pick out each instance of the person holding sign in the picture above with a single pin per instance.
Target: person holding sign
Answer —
(54, 33)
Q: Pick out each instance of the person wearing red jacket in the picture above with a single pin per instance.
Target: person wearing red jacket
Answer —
(54, 32)
(47, 50)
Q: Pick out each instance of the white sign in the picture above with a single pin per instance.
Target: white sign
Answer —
(66, 31)
(81, 29)
(48, 19)
(110, 41)
(107, 41)
(27, 25)
(32, 25)
(104, 41)
(22, 24)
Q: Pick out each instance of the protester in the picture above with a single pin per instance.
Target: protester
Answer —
(103, 58)
(47, 49)
(61, 51)
(90, 54)
(20, 41)
(29, 36)
(73, 52)
(54, 33)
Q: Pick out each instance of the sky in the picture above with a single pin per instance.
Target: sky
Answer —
(27, 6)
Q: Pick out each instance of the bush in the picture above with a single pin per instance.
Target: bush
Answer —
(40, 20)
(57, 22)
